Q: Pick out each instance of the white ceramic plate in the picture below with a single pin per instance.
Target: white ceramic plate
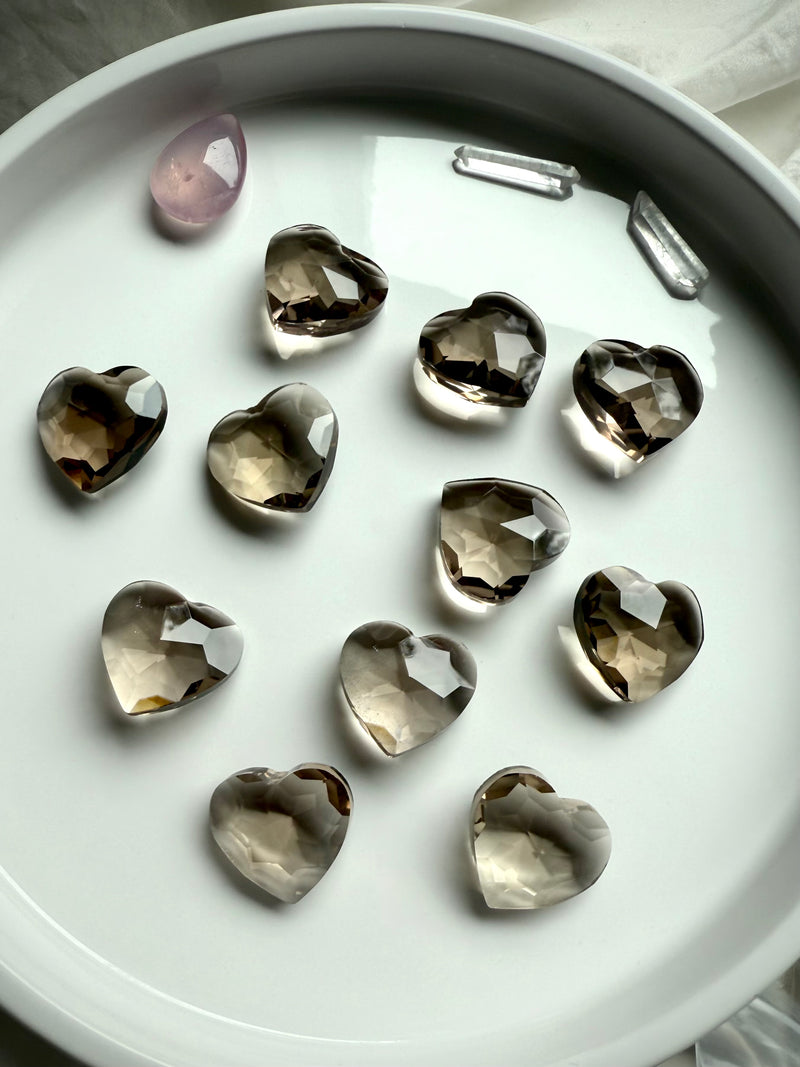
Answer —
(123, 938)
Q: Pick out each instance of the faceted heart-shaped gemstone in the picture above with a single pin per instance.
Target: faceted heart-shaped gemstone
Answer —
(638, 635)
(638, 398)
(404, 689)
(493, 534)
(95, 427)
(278, 454)
(161, 650)
(491, 352)
(533, 848)
(317, 287)
(200, 173)
(282, 829)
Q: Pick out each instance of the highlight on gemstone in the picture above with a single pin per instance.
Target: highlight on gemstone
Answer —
(637, 398)
(96, 427)
(282, 830)
(531, 847)
(493, 534)
(278, 454)
(200, 173)
(162, 651)
(639, 636)
(317, 287)
(404, 690)
(491, 352)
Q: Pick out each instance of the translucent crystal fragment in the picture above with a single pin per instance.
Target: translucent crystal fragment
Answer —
(544, 176)
(316, 286)
(532, 848)
(278, 454)
(200, 173)
(404, 690)
(162, 651)
(676, 265)
(491, 352)
(282, 829)
(638, 398)
(96, 427)
(639, 636)
(493, 534)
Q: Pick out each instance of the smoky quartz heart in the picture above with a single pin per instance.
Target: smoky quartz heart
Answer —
(96, 427)
(533, 848)
(404, 690)
(282, 829)
(316, 286)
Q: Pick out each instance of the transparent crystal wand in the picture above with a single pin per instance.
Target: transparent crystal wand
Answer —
(544, 176)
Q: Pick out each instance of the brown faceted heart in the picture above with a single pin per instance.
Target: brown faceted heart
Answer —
(533, 848)
(282, 829)
(279, 454)
(491, 352)
(316, 286)
(404, 690)
(639, 636)
(162, 651)
(96, 427)
(638, 398)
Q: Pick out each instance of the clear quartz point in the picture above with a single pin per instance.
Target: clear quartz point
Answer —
(638, 398)
(282, 829)
(404, 690)
(162, 651)
(96, 427)
(640, 637)
(279, 454)
(675, 263)
(493, 534)
(533, 848)
(543, 176)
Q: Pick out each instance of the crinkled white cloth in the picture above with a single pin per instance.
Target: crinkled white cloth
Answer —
(739, 58)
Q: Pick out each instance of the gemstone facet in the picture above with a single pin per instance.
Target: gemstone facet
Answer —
(282, 829)
(493, 534)
(490, 353)
(404, 690)
(532, 848)
(200, 173)
(317, 287)
(278, 454)
(638, 398)
(96, 427)
(162, 651)
(639, 636)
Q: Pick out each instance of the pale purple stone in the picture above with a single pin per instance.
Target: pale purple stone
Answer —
(199, 174)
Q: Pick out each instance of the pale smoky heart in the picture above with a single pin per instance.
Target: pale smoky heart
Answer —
(638, 398)
(493, 534)
(317, 287)
(531, 847)
(282, 829)
(278, 454)
(404, 690)
(491, 352)
(638, 636)
(96, 427)
(162, 650)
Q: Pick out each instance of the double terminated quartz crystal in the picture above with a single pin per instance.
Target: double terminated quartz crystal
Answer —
(282, 829)
(278, 454)
(404, 690)
(533, 848)
(493, 534)
(162, 650)
(639, 636)
(638, 398)
(96, 427)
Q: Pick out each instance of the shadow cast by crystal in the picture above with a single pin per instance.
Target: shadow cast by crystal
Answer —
(177, 232)
(295, 348)
(255, 522)
(448, 408)
(600, 456)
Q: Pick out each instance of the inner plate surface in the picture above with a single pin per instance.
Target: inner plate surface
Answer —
(392, 953)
